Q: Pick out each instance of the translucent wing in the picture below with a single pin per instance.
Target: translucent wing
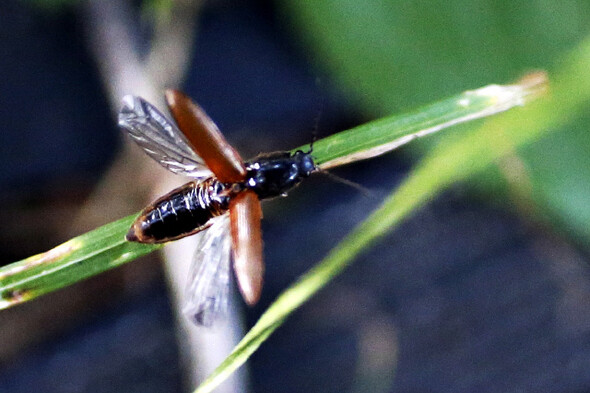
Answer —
(160, 138)
(207, 290)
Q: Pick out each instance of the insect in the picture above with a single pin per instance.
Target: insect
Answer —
(221, 205)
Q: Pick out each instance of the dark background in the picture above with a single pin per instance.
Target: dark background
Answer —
(466, 296)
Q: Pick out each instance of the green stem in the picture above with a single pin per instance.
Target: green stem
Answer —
(106, 248)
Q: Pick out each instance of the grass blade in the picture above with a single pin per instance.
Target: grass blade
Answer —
(105, 247)
(381, 136)
(447, 164)
(78, 258)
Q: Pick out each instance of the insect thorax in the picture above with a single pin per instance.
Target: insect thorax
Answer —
(271, 175)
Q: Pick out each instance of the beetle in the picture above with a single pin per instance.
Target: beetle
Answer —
(221, 205)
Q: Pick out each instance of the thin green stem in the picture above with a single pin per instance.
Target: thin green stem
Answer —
(106, 247)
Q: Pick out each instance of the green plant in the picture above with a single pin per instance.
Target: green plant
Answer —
(453, 160)
(106, 247)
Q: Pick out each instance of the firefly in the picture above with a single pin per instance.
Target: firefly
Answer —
(221, 205)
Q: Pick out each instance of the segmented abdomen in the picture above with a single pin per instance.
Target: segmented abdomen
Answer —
(182, 212)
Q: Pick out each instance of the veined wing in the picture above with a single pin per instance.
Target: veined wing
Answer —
(207, 290)
(160, 138)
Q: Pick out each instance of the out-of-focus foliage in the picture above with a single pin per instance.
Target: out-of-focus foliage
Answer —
(392, 54)
(152, 7)
(157, 8)
(53, 5)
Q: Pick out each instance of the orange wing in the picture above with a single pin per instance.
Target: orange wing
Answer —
(204, 136)
(245, 215)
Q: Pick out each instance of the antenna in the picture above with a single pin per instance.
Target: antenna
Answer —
(364, 190)
(318, 116)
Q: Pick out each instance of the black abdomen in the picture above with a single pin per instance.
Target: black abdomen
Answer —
(182, 212)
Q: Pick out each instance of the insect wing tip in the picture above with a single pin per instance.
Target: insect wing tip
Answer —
(206, 315)
(128, 101)
(172, 96)
(129, 111)
(251, 293)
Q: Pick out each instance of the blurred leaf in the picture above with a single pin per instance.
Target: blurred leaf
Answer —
(52, 5)
(151, 7)
(391, 54)
(157, 8)
(558, 173)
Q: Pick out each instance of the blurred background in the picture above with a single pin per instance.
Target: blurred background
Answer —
(486, 289)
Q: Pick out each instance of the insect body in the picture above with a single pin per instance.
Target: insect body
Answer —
(182, 212)
(224, 186)
(188, 209)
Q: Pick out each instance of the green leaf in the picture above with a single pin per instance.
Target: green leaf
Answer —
(106, 247)
(448, 163)
(78, 258)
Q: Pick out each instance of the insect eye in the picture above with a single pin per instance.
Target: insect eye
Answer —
(307, 165)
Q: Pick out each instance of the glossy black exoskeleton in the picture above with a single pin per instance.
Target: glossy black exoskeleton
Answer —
(222, 203)
(189, 208)
(273, 174)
